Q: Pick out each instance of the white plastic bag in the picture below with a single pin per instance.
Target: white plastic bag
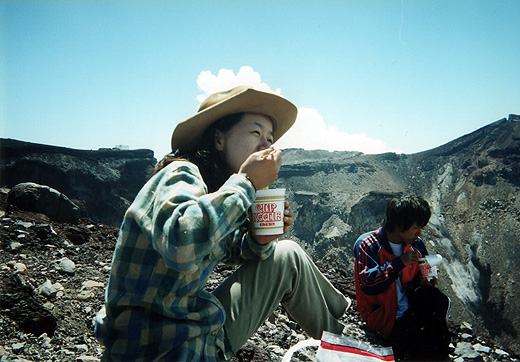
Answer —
(300, 345)
(336, 348)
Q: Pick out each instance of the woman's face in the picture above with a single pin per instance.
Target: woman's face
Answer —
(253, 133)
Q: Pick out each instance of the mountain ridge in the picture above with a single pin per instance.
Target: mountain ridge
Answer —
(472, 184)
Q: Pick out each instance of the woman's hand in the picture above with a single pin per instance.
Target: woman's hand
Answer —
(262, 167)
(266, 239)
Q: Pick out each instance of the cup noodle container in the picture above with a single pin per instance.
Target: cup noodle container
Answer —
(267, 211)
(428, 265)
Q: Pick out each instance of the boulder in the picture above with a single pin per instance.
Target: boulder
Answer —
(101, 182)
(30, 196)
(18, 302)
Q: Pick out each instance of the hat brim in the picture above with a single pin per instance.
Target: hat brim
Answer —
(188, 133)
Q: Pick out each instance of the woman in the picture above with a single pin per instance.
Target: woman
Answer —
(191, 215)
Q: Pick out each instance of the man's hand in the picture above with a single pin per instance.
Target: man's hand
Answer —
(431, 283)
(266, 239)
(410, 257)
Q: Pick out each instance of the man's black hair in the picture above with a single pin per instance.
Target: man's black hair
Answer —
(403, 211)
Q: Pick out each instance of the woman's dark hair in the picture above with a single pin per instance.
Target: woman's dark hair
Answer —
(213, 169)
(403, 211)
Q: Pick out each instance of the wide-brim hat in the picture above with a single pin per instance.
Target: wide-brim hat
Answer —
(241, 99)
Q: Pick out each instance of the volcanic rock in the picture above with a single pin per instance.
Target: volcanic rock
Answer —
(101, 183)
(471, 183)
(30, 196)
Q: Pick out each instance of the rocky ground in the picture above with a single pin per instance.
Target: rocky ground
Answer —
(52, 281)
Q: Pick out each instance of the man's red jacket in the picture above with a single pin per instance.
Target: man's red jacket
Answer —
(376, 270)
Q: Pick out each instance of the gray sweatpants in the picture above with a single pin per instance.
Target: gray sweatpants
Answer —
(288, 276)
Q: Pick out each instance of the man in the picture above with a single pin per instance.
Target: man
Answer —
(394, 300)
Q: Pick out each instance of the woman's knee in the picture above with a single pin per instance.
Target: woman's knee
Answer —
(288, 248)
(289, 254)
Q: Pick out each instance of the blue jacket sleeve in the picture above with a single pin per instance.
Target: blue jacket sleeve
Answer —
(374, 277)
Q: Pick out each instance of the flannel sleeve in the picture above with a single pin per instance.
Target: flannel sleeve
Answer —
(246, 248)
(187, 224)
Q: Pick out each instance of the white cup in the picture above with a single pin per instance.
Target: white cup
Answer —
(267, 211)
(428, 265)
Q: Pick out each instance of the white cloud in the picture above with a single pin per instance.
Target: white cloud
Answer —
(309, 131)
(226, 79)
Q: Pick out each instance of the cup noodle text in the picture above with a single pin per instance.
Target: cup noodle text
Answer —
(267, 214)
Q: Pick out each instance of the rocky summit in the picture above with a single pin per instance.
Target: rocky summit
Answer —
(473, 187)
(102, 183)
(60, 209)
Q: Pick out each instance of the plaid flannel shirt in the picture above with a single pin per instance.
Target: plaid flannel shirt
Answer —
(172, 237)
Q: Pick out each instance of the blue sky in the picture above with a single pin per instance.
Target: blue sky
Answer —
(370, 76)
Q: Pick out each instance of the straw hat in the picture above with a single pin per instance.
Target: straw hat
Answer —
(240, 99)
